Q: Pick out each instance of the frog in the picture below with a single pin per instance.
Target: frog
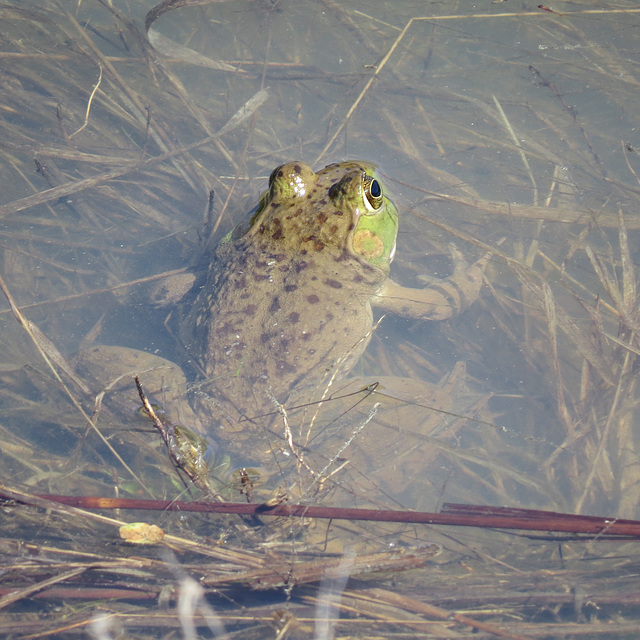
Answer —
(286, 309)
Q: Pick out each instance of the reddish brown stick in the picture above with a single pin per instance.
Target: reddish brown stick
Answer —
(457, 515)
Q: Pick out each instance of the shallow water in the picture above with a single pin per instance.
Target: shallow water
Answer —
(496, 127)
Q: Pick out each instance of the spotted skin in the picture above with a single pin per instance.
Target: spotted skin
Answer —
(287, 303)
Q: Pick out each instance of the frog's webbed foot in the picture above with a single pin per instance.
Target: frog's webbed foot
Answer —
(441, 299)
(465, 282)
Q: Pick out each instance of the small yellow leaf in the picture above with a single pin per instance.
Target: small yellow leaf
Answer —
(141, 533)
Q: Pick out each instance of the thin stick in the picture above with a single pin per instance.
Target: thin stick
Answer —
(86, 116)
(29, 327)
(452, 515)
(523, 156)
(397, 41)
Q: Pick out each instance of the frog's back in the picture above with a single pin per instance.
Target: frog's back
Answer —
(286, 307)
(279, 319)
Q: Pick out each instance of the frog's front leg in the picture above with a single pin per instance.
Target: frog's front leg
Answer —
(442, 299)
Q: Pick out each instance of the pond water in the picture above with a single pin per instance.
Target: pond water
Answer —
(509, 130)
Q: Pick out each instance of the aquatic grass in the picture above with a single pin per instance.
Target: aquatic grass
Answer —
(117, 198)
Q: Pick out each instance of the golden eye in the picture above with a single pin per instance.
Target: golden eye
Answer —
(372, 193)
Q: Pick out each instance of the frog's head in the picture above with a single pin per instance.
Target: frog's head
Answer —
(343, 207)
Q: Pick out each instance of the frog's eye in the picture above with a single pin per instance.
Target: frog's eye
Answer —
(373, 197)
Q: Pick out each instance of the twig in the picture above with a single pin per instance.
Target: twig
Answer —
(34, 332)
(183, 452)
(516, 141)
(452, 514)
(86, 115)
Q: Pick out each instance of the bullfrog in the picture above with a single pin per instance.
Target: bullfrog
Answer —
(286, 310)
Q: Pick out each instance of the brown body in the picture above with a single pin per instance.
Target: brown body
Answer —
(286, 309)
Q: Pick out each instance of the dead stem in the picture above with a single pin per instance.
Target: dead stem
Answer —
(47, 352)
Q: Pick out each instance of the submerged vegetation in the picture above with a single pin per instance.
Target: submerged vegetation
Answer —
(116, 129)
